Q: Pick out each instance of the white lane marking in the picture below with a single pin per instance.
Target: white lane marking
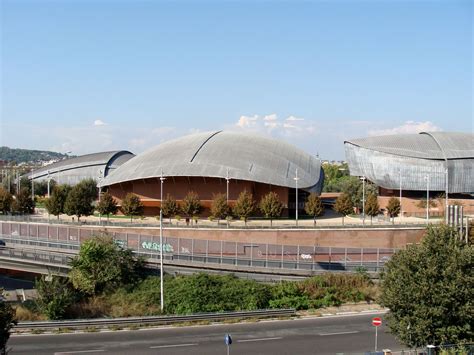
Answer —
(340, 333)
(79, 352)
(172, 346)
(259, 339)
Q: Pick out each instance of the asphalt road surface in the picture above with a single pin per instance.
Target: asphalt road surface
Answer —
(352, 334)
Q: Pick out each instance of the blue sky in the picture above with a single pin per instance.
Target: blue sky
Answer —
(85, 76)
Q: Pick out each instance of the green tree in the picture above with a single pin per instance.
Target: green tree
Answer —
(107, 205)
(219, 207)
(79, 200)
(54, 297)
(103, 266)
(191, 204)
(170, 207)
(132, 206)
(244, 206)
(428, 289)
(89, 189)
(314, 206)
(344, 205)
(393, 207)
(7, 322)
(353, 186)
(372, 207)
(55, 204)
(41, 187)
(271, 206)
(25, 203)
(6, 200)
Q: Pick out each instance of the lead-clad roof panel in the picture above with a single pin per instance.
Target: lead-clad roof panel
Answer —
(426, 145)
(211, 154)
(102, 158)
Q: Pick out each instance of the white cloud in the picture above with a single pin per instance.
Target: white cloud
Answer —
(99, 123)
(289, 125)
(406, 128)
(271, 124)
(293, 118)
(247, 121)
(272, 117)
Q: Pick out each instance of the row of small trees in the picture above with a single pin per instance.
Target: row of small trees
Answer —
(78, 200)
(21, 203)
(345, 206)
(245, 206)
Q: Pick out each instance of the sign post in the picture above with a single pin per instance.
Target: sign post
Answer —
(376, 322)
(228, 341)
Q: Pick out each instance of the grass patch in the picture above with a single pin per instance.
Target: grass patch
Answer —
(37, 331)
(91, 329)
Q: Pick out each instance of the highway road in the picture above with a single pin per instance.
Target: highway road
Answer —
(349, 334)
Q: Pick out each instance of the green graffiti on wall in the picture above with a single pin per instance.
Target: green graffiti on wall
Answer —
(167, 248)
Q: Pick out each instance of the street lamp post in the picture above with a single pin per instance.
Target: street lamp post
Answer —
(447, 192)
(296, 178)
(401, 211)
(100, 191)
(363, 199)
(227, 179)
(162, 301)
(49, 180)
(427, 178)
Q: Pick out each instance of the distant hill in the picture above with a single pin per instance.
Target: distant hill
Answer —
(28, 156)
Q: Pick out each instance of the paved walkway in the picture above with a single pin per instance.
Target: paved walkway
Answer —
(330, 219)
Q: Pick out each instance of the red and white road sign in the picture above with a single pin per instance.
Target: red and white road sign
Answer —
(376, 321)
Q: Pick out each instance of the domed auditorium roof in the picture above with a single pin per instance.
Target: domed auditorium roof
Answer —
(432, 145)
(211, 154)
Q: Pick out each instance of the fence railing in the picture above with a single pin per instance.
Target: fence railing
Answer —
(191, 250)
(260, 223)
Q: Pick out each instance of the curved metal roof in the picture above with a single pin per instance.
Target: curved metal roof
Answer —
(211, 154)
(426, 145)
(110, 159)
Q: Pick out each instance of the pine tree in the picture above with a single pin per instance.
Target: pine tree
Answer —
(244, 206)
(344, 205)
(219, 207)
(107, 205)
(132, 206)
(314, 206)
(372, 207)
(271, 206)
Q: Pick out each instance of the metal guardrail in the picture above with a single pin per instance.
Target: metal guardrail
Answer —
(107, 322)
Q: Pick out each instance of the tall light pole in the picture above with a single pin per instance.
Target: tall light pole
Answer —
(447, 192)
(363, 199)
(49, 180)
(401, 212)
(227, 179)
(162, 299)
(100, 191)
(296, 178)
(427, 178)
(32, 189)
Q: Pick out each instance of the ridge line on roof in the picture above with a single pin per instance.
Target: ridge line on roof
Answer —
(203, 143)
